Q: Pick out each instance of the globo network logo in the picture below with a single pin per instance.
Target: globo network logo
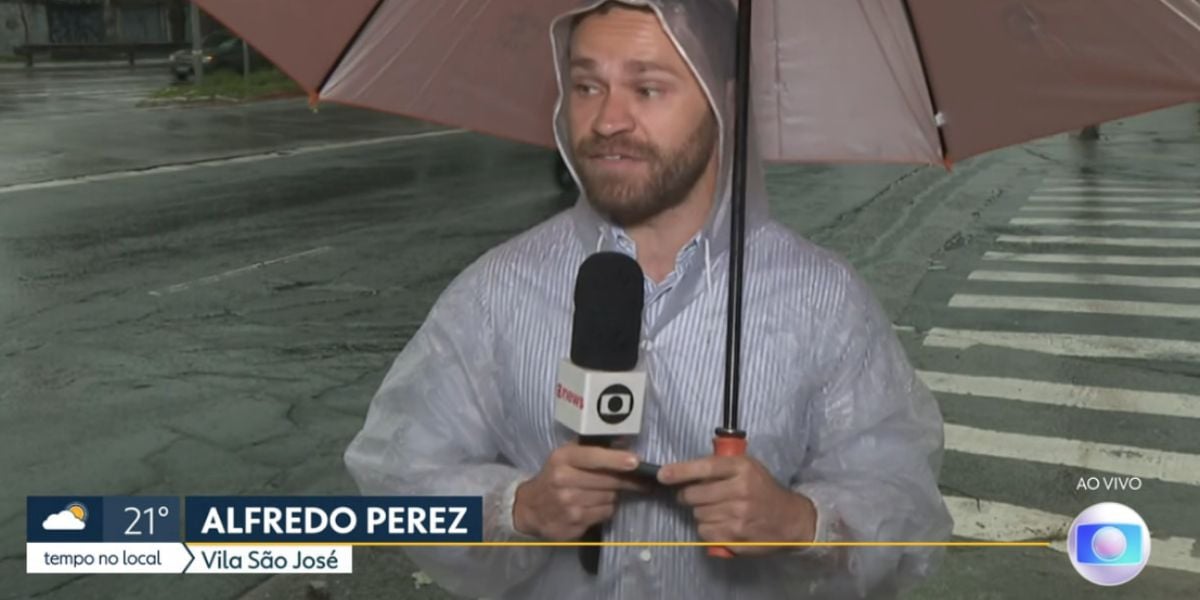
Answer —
(1109, 544)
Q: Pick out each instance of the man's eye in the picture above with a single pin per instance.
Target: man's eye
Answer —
(585, 89)
(649, 92)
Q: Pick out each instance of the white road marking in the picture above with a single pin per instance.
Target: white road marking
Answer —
(1160, 212)
(1083, 240)
(1087, 184)
(180, 287)
(1180, 554)
(1086, 279)
(1040, 221)
(1089, 306)
(1000, 522)
(1064, 394)
(274, 154)
(1189, 200)
(1119, 189)
(992, 521)
(1095, 259)
(1173, 467)
(1067, 344)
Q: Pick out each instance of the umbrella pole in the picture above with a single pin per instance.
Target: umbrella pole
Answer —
(730, 440)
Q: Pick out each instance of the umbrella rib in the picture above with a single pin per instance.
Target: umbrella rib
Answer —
(1175, 9)
(913, 110)
(378, 73)
(349, 46)
(778, 88)
(912, 26)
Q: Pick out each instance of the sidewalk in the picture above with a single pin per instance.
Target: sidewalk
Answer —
(62, 65)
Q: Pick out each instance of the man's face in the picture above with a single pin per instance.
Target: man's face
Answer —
(641, 128)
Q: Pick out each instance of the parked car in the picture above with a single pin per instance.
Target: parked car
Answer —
(219, 50)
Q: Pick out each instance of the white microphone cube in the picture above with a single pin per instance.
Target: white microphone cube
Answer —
(592, 402)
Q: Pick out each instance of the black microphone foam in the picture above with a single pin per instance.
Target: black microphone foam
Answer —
(607, 329)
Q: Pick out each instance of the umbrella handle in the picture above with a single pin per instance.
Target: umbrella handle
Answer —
(726, 445)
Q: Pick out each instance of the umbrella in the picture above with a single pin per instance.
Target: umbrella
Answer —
(910, 81)
(899, 81)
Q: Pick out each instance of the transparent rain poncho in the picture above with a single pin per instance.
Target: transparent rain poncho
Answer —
(831, 404)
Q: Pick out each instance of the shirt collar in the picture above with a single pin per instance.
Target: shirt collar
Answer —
(627, 246)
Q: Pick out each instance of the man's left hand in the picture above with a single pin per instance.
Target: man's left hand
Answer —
(735, 499)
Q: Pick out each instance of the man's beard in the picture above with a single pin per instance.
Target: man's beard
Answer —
(670, 176)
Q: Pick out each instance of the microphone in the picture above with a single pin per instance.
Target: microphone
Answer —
(600, 392)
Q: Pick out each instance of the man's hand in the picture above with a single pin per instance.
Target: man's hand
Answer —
(735, 499)
(576, 488)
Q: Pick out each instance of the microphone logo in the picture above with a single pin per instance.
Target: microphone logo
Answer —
(616, 404)
(565, 394)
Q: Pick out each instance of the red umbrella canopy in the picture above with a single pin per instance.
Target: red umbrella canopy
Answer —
(304, 38)
(917, 81)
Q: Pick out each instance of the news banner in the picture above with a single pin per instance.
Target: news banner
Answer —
(1108, 543)
(233, 534)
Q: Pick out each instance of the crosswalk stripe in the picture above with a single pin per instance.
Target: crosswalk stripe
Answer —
(1001, 522)
(1117, 189)
(1095, 259)
(1068, 344)
(1090, 184)
(1091, 306)
(997, 521)
(1174, 467)
(1041, 221)
(1083, 240)
(992, 521)
(1086, 279)
(1041, 199)
(1114, 209)
(1063, 394)
(1171, 553)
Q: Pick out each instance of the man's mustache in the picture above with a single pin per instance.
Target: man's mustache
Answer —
(612, 147)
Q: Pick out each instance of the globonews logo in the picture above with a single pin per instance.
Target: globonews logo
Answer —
(616, 404)
(1109, 544)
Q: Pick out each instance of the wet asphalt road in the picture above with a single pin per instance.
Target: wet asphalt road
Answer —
(203, 299)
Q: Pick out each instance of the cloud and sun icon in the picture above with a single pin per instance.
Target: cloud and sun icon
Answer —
(71, 518)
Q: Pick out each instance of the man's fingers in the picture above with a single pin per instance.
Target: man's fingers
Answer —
(716, 532)
(713, 513)
(711, 467)
(701, 494)
(592, 498)
(598, 514)
(594, 458)
(570, 477)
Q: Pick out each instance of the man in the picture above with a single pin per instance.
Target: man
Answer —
(844, 442)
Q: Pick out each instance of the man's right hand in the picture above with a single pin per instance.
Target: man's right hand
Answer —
(576, 488)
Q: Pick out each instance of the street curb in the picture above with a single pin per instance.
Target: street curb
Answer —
(85, 65)
(213, 100)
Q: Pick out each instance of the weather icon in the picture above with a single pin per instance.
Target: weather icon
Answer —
(71, 518)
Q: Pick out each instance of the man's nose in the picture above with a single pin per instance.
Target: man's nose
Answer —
(614, 117)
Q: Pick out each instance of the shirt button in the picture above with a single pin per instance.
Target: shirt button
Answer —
(644, 556)
(647, 345)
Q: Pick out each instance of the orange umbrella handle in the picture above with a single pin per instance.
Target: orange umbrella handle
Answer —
(726, 446)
